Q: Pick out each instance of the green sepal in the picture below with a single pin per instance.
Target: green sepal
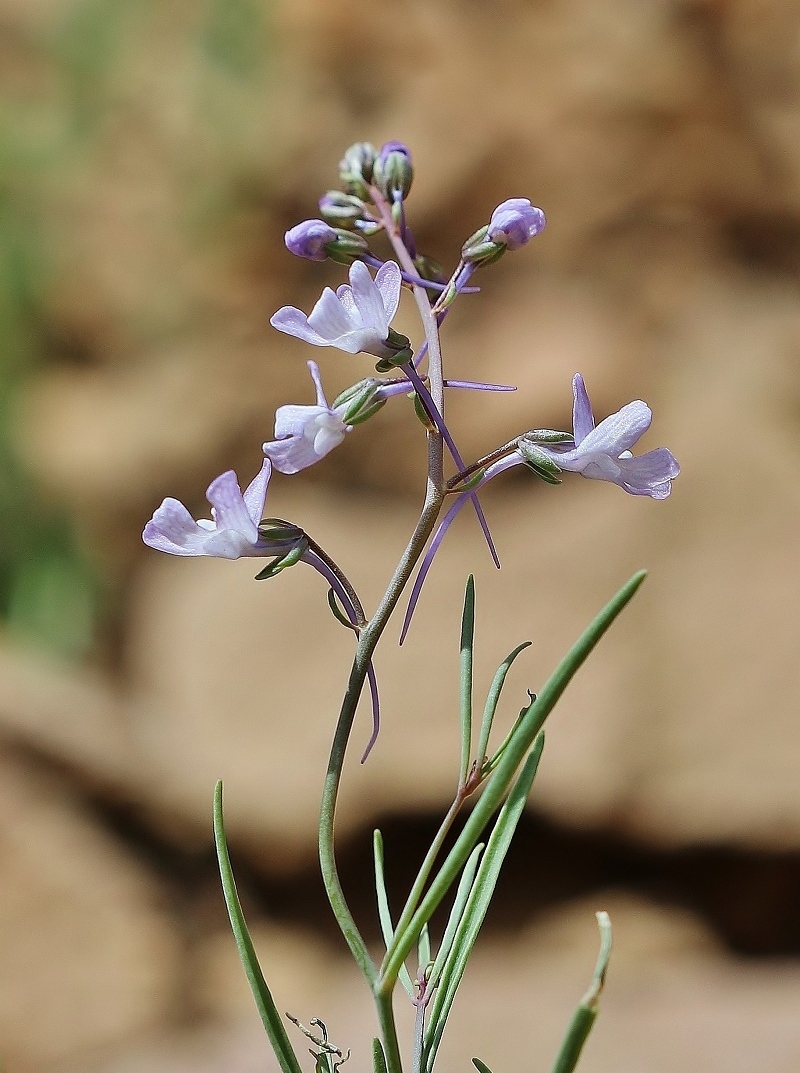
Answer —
(270, 1017)
(366, 413)
(586, 1012)
(539, 462)
(471, 482)
(354, 390)
(428, 268)
(422, 413)
(338, 614)
(480, 1066)
(547, 435)
(283, 562)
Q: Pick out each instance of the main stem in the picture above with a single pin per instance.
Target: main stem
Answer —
(368, 640)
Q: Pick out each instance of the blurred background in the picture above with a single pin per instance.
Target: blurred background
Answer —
(152, 153)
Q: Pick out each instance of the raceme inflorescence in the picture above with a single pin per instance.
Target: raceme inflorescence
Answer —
(363, 226)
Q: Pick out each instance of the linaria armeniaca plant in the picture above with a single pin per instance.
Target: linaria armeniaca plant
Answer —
(370, 207)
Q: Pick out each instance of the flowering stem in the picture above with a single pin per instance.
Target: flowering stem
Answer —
(368, 640)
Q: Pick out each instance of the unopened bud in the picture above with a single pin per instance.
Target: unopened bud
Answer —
(429, 269)
(515, 222)
(309, 239)
(355, 168)
(393, 171)
(340, 209)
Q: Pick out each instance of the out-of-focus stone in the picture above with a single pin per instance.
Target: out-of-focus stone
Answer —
(73, 716)
(672, 1000)
(88, 957)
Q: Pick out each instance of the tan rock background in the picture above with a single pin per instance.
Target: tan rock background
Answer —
(151, 156)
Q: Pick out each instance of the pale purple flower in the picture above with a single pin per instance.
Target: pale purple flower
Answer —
(603, 452)
(309, 238)
(232, 530)
(305, 434)
(355, 319)
(515, 222)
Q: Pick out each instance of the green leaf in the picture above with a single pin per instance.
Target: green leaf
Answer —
(480, 1066)
(384, 914)
(270, 1017)
(478, 903)
(467, 645)
(529, 726)
(456, 913)
(584, 1017)
(492, 700)
(424, 949)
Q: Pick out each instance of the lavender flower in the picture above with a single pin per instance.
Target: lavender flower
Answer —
(232, 530)
(305, 434)
(393, 171)
(514, 223)
(603, 452)
(309, 238)
(355, 319)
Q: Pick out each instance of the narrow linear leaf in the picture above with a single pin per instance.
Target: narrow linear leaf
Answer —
(270, 1017)
(424, 948)
(378, 1057)
(467, 645)
(456, 912)
(478, 903)
(494, 696)
(480, 1066)
(384, 914)
(586, 1012)
(529, 726)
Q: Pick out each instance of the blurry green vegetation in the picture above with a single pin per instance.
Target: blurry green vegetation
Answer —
(52, 122)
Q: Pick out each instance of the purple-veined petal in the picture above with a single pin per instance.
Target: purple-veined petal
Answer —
(328, 318)
(172, 529)
(230, 512)
(582, 416)
(294, 322)
(255, 495)
(292, 454)
(618, 432)
(388, 280)
(293, 420)
(368, 299)
(649, 474)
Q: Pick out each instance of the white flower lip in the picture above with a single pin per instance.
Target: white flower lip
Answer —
(305, 434)
(355, 318)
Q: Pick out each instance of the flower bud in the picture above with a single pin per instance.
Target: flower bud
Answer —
(514, 223)
(480, 250)
(347, 248)
(355, 168)
(429, 269)
(340, 209)
(393, 171)
(309, 239)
